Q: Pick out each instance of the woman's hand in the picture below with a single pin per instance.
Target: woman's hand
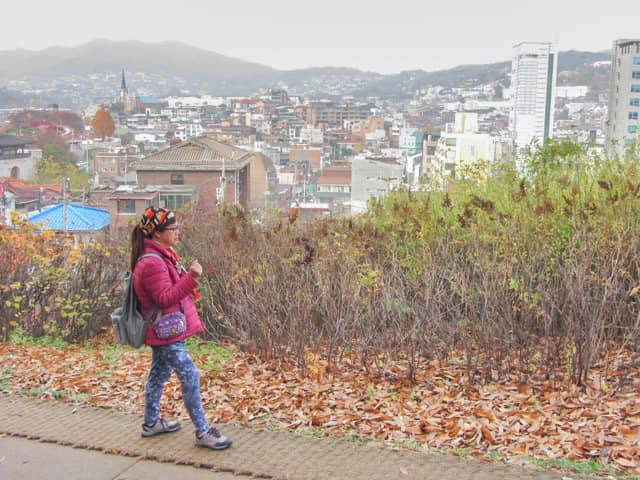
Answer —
(195, 269)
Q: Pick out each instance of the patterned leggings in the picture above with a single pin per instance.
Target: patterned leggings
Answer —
(164, 360)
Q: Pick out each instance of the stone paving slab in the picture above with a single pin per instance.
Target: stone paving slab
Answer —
(255, 453)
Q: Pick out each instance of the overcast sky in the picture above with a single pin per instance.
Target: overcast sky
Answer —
(384, 37)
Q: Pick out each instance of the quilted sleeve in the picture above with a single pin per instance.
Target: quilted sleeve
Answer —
(154, 279)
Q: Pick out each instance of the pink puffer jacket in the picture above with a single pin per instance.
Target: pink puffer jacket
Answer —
(157, 282)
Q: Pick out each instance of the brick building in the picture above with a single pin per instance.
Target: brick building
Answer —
(128, 202)
(106, 168)
(201, 161)
(326, 114)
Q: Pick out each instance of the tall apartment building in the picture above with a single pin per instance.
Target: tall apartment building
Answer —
(533, 81)
(624, 94)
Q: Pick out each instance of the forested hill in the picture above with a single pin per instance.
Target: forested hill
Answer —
(176, 67)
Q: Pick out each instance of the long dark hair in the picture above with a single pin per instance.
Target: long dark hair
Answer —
(137, 245)
(138, 234)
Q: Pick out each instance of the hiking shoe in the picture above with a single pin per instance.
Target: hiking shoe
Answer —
(213, 439)
(161, 426)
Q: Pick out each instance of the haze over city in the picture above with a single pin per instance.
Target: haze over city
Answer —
(284, 34)
(410, 224)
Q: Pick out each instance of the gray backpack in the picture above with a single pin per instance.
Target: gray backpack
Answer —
(129, 324)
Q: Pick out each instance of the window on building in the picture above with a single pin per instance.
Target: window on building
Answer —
(635, 74)
(636, 60)
(450, 142)
(177, 179)
(633, 115)
(632, 128)
(126, 206)
(173, 202)
(634, 102)
(635, 88)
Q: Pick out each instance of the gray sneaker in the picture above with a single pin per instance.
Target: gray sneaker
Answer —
(213, 439)
(161, 426)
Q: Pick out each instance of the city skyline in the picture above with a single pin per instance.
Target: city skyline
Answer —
(343, 34)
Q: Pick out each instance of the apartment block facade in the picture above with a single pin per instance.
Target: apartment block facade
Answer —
(110, 167)
(326, 114)
(533, 79)
(624, 94)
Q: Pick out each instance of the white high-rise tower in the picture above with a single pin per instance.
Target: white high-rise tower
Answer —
(624, 94)
(533, 83)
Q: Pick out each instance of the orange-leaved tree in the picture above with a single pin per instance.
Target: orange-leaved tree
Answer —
(102, 124)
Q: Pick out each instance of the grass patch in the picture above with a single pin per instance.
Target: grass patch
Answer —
(112, 353)
(582, 467)
(208, 355)
(32, 391)
(6, 377)
(19, 336)
(38, 391)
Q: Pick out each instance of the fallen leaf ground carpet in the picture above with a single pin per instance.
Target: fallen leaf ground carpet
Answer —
(503, 424)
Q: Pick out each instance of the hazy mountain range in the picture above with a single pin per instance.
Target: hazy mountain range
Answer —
(176, 67)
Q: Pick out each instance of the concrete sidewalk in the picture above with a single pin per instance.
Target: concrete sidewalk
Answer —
(22, 459)
(107, 445)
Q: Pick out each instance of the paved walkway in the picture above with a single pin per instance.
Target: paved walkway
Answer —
(23, 459)
(49, 439)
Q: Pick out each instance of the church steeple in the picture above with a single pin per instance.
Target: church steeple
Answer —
(124, 93)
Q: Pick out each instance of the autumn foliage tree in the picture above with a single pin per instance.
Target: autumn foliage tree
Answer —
(102, 124)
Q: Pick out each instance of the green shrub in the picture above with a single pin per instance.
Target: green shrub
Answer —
(521, 269)
(54, 288)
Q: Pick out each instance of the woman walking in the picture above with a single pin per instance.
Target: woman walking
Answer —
(163, 286)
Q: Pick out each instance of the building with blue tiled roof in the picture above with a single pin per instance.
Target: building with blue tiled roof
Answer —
(81, 220)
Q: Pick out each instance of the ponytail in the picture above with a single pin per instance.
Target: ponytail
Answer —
(137, 245)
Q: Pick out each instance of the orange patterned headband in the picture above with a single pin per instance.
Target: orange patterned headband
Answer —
(153, 218)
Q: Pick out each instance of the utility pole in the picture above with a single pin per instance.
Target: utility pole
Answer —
(65, 190)
(236, 181)
(4, 201)
(223, 180)
(304, 187)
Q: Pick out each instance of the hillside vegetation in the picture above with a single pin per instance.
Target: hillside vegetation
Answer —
(511, 273)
